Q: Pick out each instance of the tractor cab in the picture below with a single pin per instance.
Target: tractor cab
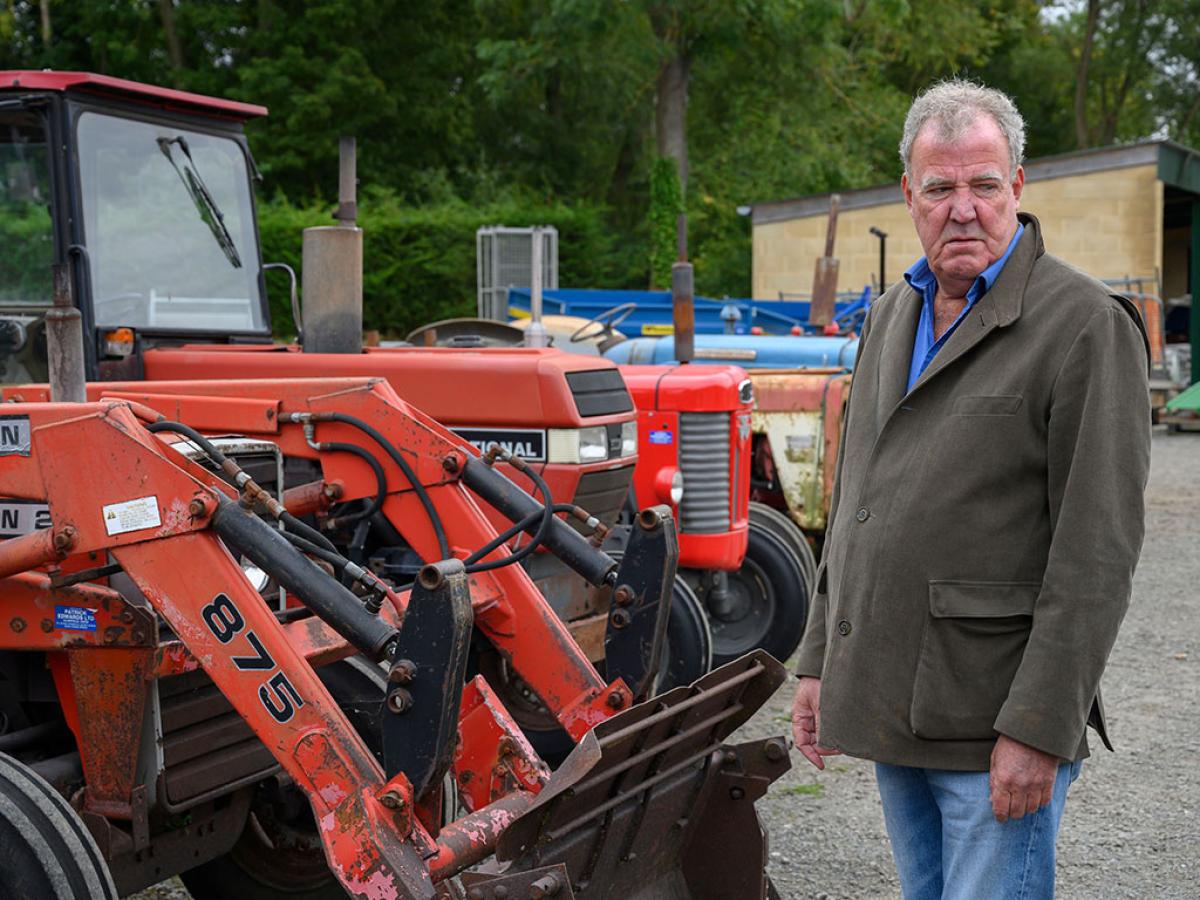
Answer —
(147, 193)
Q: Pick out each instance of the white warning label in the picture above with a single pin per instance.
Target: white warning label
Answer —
(132, 515)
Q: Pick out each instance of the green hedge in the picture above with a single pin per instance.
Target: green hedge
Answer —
(419, 262)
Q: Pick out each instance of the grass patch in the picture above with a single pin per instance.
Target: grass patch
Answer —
(804, 790)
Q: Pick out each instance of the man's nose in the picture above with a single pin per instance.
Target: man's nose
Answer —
(962, 208)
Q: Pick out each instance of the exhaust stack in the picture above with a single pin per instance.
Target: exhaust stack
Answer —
(64, 343)
(683, 299)
(332, 270)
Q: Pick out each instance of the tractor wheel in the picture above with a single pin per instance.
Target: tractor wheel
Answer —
(781, 525)
(279, 855)
(45, 849)
(766, 604)
(688, 654)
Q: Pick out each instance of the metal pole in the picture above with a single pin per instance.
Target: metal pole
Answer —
(535, 335)
(882, 235)
(332, 270)
(347, 211)
(1194, 335)
(683, 304)
(64, 343)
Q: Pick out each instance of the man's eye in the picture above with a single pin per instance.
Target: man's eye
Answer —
(986, 189)
(937, 192)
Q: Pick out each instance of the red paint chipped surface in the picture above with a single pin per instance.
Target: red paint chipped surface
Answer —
(176, 518)
(333, 794)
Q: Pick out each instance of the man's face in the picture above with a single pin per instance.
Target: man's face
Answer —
(962, 200)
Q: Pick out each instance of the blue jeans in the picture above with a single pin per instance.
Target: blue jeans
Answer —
(948, 845)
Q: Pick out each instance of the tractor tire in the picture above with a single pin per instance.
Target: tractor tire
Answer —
(782, 526)
(688, 654)
(768, 602)
(45, 849)
(279, 854)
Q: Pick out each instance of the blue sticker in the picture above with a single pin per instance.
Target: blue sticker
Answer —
(75, 618)
(662, 437)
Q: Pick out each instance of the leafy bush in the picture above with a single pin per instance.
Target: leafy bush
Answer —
(419, 262)
(28, 241)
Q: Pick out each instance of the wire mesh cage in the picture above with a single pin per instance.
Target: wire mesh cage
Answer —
(504, 259)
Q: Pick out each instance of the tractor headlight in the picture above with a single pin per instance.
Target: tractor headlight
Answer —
(629, 432)
(577, 445)
(668, 485)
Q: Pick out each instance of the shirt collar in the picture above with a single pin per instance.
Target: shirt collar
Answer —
(921, 278)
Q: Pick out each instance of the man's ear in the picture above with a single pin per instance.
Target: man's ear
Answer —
(1018, 184)
(906, 188)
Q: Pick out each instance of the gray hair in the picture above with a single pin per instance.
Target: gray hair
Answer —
(955, 105)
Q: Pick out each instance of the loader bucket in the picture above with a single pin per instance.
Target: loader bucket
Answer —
(653, 804)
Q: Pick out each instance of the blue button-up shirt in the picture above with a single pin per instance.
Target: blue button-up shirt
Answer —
(920, 277)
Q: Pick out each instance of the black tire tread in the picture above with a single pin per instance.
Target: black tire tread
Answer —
(35, 819)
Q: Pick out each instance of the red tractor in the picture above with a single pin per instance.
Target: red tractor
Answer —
(694, 454)
(153, 203)
(174, 694)
(196, 723)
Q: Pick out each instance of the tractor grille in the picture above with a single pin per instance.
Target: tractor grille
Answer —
(208, 749)
(602, 494)
(704, 460)
(600, 392)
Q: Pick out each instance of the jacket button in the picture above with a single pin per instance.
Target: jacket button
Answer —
(863, 514)
(843, 627)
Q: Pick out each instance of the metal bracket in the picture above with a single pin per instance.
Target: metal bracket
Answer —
(425, 684)
(549, 882)
(641, 601)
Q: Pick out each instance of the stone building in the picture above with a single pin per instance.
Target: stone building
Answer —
(1122, 212)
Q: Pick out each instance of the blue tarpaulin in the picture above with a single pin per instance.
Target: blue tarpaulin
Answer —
(653, 313)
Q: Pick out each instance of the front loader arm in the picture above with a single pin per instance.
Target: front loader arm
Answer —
(135, 503)
(296, 413)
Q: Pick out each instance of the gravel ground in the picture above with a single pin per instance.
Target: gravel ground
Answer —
(1132, 825)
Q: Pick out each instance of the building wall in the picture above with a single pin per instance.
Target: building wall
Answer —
(1107, 223)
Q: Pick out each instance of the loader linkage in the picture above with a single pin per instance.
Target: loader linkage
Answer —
(640, 805)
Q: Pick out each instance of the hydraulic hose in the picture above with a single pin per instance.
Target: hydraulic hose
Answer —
(239, 478)
(560, 538)
(472, 562)
(380, 481)
(544, 516)
(209, 448)
(398, 458)
(270, 551)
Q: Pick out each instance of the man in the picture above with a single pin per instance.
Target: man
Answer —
(986, 520)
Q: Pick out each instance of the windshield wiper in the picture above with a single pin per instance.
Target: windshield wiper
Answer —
(210, 213)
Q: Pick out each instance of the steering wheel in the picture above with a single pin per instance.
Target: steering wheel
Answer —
(607, 320)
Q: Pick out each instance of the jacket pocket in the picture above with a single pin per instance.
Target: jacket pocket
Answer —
(974, 638)
(1000, 405)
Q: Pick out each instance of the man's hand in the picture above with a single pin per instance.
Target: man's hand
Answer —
(1021, 779)
(806, 721)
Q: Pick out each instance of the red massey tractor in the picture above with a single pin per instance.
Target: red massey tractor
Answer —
(694, 454)
(176, 685)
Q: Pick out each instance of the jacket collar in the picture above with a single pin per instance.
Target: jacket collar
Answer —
(998, 308)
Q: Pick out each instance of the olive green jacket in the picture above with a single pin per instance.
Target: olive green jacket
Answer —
(985, 525)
